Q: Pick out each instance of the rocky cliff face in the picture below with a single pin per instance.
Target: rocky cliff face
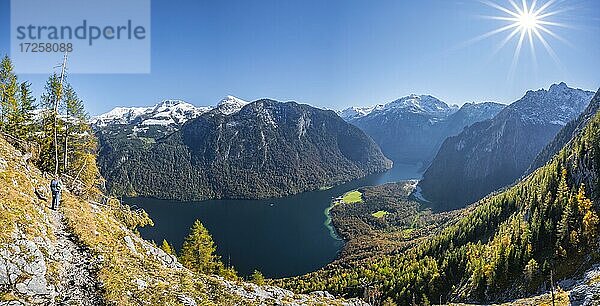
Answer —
(494, 153)
(267, 148)
(566, 133)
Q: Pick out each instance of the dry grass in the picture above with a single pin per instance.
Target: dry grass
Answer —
(19, 204)
(100, 230)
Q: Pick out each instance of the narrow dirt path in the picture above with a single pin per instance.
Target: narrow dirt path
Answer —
(78, 284)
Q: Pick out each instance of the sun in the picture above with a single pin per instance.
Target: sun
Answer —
(527, 22)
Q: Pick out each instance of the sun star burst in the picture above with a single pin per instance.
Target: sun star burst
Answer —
(527, 23)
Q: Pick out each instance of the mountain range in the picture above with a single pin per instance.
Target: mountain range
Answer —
(494, 153)
(168, 113)
(411, 129)
(236, 150)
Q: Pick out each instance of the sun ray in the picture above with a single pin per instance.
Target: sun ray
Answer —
(517, 54)
(544, 6)
(514, 19)
(558, 37)
(532, 48)
(556, 24)
(505, 41)
(556, 12)
(489, 34)
(517, 8)
(530, 19)
(532, 9)
(548, 47)
(501, 8)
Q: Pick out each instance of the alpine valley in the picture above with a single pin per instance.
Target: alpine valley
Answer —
(507, 193)
(411, 129)
(300, 153)
(535, 242)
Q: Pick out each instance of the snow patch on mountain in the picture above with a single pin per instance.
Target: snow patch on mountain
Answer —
(119, 115)
(355, 112)
(230, 105)
(422, 104)
(417, 104)
(168, 112)
(557, 105)
(165, 113)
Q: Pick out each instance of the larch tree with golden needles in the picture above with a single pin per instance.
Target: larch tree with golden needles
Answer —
(198, 252)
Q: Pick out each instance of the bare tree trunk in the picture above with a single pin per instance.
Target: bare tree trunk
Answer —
(66, 140)
(58, 97)
(55, 137)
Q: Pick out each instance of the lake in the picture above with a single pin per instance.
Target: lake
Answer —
(280, 237)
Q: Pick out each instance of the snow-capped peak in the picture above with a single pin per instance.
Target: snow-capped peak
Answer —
(167, 112)
(421, 104)
(174, 112)
(170, 112)
(119, 115)
(230, 105)
(355, 112)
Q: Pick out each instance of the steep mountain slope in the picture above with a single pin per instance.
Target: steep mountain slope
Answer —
(89, 253)
(470, 113)
(507, 246)
(411, 129)
(566, 134)
(494, 153)
(39, 262)
(267, 148)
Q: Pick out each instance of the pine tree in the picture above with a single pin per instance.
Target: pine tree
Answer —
(198, 252)
(257, 278)
(388, 302)
(49, 117)
(25, 123)
(590, 219)
(77, 138)
(165, 246)
(531, 269)
(8, 96)
(562, 194)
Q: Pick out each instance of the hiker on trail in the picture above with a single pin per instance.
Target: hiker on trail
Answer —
(55, 187)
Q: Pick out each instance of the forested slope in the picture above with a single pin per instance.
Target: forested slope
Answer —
(266, 149)
(503, 247)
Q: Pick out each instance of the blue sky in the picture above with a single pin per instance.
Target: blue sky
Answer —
(338, 53)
